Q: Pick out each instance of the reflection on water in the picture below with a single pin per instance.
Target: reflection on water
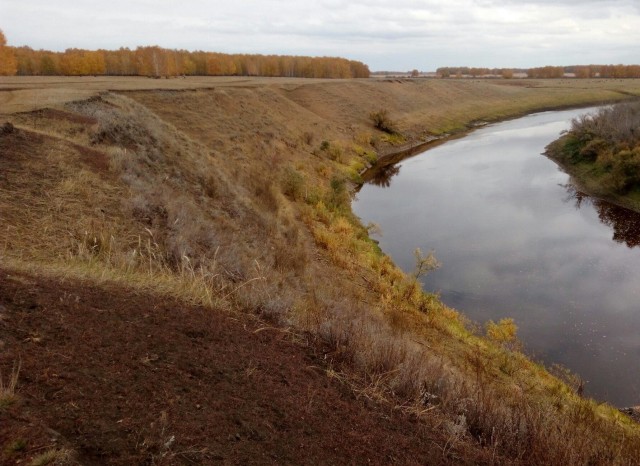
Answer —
(624, 222)
(516, 241)
(382, 176)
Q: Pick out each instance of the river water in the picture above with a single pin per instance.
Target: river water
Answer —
(516, 240)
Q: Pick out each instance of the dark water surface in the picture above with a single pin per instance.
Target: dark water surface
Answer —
(516, 240)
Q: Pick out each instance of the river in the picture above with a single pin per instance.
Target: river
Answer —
(515, 239)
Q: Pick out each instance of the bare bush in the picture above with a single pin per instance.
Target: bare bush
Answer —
(382, 121)
(616, 124)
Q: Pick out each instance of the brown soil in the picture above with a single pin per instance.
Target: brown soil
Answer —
(123, 378)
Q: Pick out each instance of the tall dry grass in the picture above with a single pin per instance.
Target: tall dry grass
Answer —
(8, 387)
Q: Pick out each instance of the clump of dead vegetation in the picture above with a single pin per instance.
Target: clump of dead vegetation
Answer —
(263, 225)
(58, 457)
(382, 121)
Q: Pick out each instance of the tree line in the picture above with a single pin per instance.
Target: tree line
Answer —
(156, 61)
(475, 72)
(546, 72)
(586, 71)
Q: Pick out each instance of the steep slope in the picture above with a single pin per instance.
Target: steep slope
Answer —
(233, 197)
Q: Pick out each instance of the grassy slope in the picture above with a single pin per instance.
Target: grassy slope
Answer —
(217, 192)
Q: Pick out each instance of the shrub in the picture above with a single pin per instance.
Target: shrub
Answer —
(332, 150)
(503, 332)
(363, 138)
(292, 184)
(367, 154)
(338, 197)
(307, 138)
(382, 121)
(335, 153)
(625, 173)
(591, 150)
(394, 139)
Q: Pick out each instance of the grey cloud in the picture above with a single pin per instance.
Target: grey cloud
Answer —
(399, 35)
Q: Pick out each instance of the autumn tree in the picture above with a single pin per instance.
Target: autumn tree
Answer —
(48, 64)
(148, 62)
(546, 72)
(120, 62)
(78, 62)
(186, 65)
(219, 64)
(443, 72)
(26, 61)
(156, 61)
(8, 64)
(581, 72)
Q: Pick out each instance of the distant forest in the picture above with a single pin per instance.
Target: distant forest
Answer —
(575, 71)
(158, 62)
(155, 61)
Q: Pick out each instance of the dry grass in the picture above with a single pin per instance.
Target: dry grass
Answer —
(219, 197)
(8, 393)
(56, 457)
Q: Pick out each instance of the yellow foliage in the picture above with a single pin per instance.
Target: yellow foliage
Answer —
(343, 227)
(8, 66)
(503, 332)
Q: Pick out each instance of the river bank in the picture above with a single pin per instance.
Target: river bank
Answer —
(588, 179)
(501, 220)
(390, 154)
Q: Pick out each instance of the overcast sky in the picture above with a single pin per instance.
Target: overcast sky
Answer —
(385, 34)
